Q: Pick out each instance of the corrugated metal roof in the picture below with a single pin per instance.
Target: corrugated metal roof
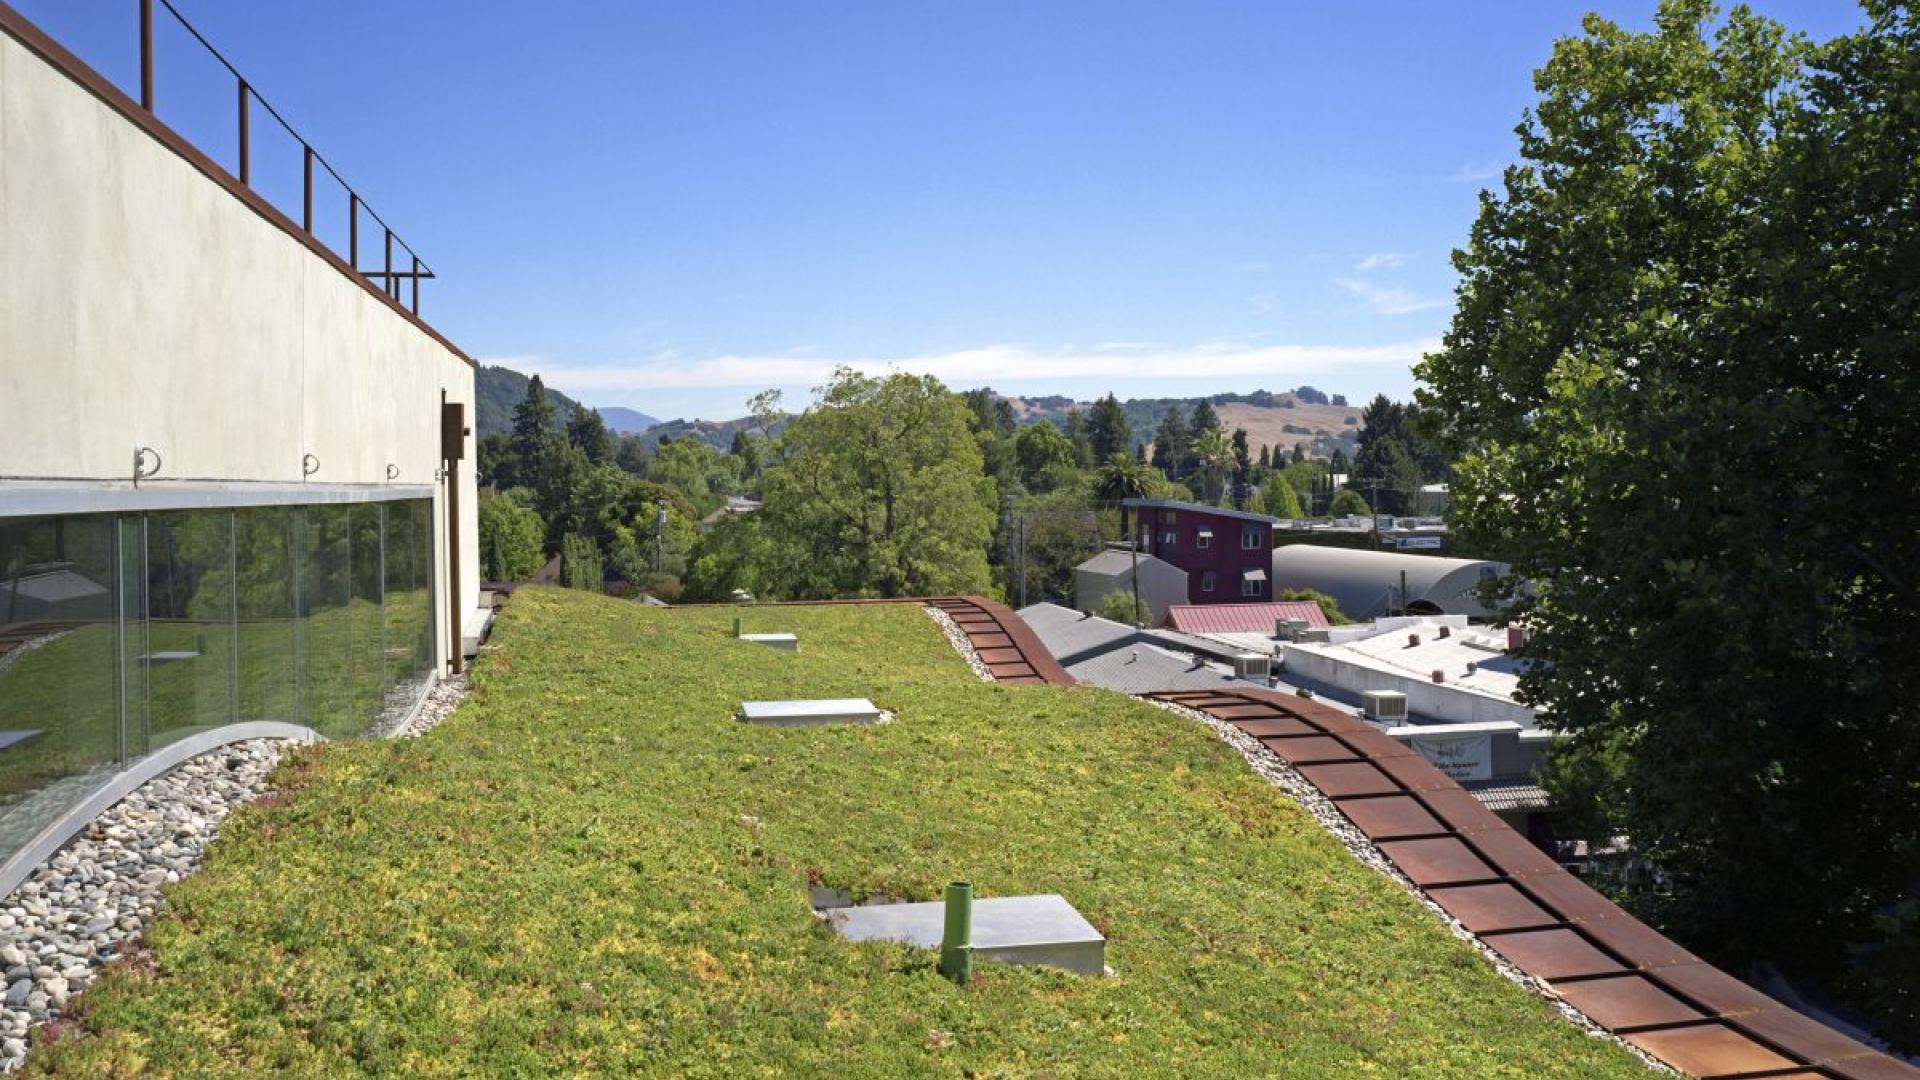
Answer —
(1120, 562)
(1509, 796)
(1242, 618)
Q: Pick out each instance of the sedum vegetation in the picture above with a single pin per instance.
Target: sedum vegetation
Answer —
(591, 869)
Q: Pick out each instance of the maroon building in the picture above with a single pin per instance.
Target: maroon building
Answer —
(1227, 554)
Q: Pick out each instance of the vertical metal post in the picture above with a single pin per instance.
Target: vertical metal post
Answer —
(956, 942)
(233, 616)
(353, 231)
(456, 659)
(146, 55)
(246, 169)
(387, 280)
(416, 284)
(306, 215)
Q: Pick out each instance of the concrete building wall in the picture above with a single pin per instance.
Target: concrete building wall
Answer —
(1437, 701)
(143, 304)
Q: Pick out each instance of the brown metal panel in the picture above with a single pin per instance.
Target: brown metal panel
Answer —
(1462, 812)
(1001, 671)
(1415, 774)
(1372, 744)
(1487, 909)
(1639, 945)
(453, 431)
(1278, 726)
(1440, 861)
(990, 640)
(1356, 778)
(1515, 855)
(1626, 1001)
(1309, 749)
(1803, 1037)
(1250, 710)
(1553, 954)
(1000, 656)
(1390, 818)
(1713, 990)
(1709, 1050)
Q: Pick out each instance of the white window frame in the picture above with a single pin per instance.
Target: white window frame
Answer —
(1207, 580)
(1249, 538)
(1246, 581)
(1203, 539)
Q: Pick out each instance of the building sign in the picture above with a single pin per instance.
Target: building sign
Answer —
(1463, 757)
(1417, 543)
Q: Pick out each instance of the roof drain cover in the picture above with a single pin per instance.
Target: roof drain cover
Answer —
(1043, 930)
(811, 713)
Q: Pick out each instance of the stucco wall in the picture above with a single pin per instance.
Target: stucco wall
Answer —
(142, 304)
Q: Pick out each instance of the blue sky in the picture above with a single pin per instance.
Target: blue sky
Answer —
(671, 207)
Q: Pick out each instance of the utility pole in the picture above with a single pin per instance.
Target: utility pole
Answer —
(659, 535)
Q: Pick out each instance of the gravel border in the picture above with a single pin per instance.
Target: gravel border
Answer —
(1273, 769)
(959, 640)
(95, 897)
(439, 703)
(86, 904)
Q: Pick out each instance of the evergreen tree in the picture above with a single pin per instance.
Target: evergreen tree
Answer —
(1107, 430)
(589, 433)
(1170, 441)
(1078, 435)
(533, 421)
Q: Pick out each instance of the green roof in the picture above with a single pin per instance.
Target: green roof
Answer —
(592, 869)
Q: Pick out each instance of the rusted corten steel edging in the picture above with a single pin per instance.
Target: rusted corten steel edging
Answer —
(37, 41)
(1011, 650)
(1622, 974)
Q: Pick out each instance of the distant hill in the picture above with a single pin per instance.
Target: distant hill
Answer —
(624, 421)
(499, 389)
(1272, 419)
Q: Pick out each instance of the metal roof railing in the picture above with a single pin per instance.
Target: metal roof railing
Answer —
(389, 278)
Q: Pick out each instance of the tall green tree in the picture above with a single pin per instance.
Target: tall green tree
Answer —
(533, 423)
(1170, 441)
(1682, 375)
(1107, 430)
(589, 433)
(1046, 459)
(1282, 500)
(1080, 436)
(511, 540)
(879, 491)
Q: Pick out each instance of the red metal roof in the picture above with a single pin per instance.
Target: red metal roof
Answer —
(1242, 618)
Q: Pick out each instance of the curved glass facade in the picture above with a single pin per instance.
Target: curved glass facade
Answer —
(121, 633)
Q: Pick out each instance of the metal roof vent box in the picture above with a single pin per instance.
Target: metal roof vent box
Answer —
(1386, 705)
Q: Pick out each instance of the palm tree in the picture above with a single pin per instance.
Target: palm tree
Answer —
(1123, 477)
(1213, 456)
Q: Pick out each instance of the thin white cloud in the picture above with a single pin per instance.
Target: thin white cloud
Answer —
(1473, 172)
(973, 367)
(1384, 260)
(1386, 300)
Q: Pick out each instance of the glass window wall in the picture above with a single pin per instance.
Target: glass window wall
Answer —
(122, 633)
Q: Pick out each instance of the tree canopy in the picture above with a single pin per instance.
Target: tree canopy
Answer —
(1683, 379)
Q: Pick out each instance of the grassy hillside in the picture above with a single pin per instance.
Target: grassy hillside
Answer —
(592, 870)
(498, 390)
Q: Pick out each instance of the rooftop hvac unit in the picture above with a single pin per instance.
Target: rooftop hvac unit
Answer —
(1252, 666)
(1289, 629)
(1385, 705)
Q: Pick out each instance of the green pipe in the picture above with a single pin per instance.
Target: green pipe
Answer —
(956, 945)
(738, 622)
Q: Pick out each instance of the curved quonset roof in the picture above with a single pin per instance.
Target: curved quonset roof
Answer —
(1366, 584)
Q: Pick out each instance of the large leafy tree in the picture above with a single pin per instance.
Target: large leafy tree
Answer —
(1123, 477)
(533, 421)
(587, 431)
(878, 491)
(1683, 373)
